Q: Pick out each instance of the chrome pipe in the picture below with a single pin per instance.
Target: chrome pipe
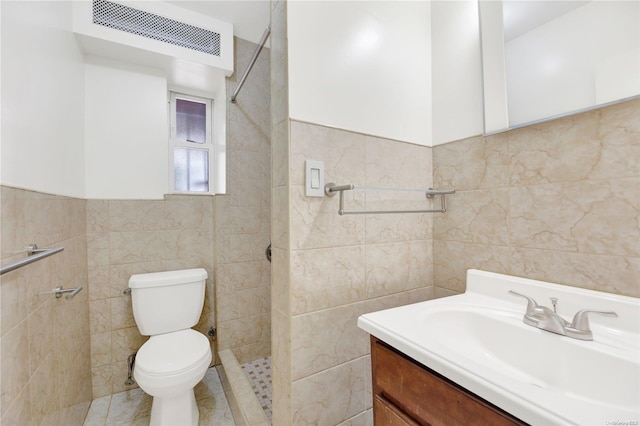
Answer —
(252, 62)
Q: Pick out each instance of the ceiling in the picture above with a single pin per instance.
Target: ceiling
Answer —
(521, 16)
(249, 17)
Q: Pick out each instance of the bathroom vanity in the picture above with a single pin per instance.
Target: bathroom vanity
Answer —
(487, 356)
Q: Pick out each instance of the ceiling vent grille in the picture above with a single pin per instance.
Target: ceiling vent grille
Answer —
(145, 24)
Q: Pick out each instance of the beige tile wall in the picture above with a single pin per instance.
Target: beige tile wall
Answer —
(127, 237)
(243, 219)
(557, 201)
(344, 266)
(46, 367)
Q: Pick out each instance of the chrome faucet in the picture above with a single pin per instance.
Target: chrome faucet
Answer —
(547, 319)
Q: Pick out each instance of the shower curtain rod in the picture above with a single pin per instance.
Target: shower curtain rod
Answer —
(263, 40)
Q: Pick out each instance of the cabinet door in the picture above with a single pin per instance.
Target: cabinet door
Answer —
(387, 414)
(424, 396)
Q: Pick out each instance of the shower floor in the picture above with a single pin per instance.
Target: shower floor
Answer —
(259, 374)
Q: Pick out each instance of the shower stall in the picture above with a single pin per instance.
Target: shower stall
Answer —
(243, 232)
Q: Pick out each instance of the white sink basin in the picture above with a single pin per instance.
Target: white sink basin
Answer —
(478, 340)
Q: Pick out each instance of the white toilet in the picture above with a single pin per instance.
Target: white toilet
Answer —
(175, 358)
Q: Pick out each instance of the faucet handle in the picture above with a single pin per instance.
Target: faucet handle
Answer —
(581, 319)
(531, 303)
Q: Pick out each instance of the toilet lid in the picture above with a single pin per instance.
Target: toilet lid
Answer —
(173, 353)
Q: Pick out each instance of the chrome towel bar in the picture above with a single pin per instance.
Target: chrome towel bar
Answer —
(33, 254)
(331, 189)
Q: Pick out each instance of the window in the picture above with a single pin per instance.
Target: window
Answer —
(191, 147)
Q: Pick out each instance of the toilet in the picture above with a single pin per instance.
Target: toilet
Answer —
(175, 358)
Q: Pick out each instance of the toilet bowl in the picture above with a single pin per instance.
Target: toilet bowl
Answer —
(167, 367)
(175, 358)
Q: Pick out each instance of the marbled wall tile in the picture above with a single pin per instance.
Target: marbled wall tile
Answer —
(342, 152)
(44, 391)
(98, 249)
(315, 222)
(19, 412)
(478, 162)
(136, 246)
(387, 228)
(281, 367)
(590, 217)
(136, 215)
(243, 275)
(612, 274)
(101, 378)
(479, 216)
(124, 342)
(248, 165)
(562, 150)
(237, 302)
(280, 281)
(280, 155)
(241, 220)
(325, 278)
(15, 300)
(14, 369)
(452, 260)
(100, 315)
(362, 419)
(399, 299)
(331, 396)
(100, 348)
(325, 339)
(393, 164)
(41, 334)
(398, 267)
(243, 192)
(243, 331)
(122, 313)
(188, 212)
(280, 222)
(241, 247)
(619, 132)
(188, 244)
(97, 216)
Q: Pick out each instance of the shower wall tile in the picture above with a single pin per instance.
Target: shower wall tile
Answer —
(330, 396)
(326, 278)
(325, 339)
(46, 365)
(565, 209)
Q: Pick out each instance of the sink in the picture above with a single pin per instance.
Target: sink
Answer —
(479, 341)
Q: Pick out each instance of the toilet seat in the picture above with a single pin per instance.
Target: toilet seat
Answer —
(173, 353)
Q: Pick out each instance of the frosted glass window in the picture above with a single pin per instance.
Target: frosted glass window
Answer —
(191, 121)
(191, 169)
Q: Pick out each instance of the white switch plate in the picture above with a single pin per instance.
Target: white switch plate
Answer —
(314, 178)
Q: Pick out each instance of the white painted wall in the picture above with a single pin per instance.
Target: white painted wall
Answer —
(456, 71)
(561, 66)
(126, 131)
(42, 99)
(363, 66)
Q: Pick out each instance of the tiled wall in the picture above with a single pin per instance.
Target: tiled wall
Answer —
(557, 201)
(126, 237)
(344, 266)
(243, 219)
(46, 367)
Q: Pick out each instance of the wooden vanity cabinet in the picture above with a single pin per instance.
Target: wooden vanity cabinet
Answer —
(407, 393)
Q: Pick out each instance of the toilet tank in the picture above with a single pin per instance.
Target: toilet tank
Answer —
(164, 302)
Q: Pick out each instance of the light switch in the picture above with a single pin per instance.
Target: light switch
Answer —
(314, 178)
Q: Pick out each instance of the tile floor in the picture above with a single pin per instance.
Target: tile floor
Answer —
(259, 373)
(134, 407)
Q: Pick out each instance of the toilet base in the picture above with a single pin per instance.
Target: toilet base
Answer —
(177, 410)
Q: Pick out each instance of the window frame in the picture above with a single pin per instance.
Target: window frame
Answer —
(208, 145)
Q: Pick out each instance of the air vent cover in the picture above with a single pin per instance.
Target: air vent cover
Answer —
(145, 24)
